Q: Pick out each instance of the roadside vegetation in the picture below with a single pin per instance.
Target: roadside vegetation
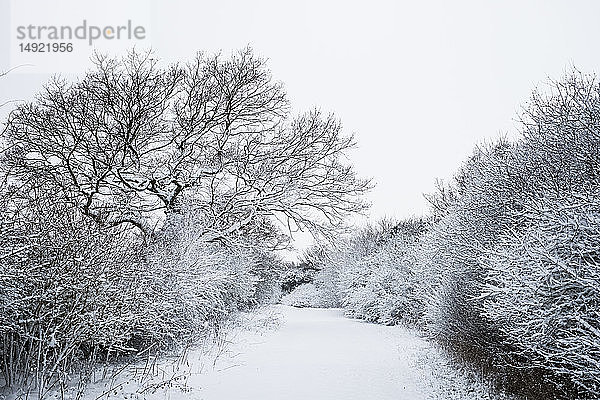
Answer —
(505, 270)
(141, 205)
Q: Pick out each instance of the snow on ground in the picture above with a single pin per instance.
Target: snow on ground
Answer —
(291, 353)
(317, 354)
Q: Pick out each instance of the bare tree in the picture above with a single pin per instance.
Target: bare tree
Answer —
(133, 141)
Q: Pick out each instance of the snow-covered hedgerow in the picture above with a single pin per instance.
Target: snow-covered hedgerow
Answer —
(513, 257)
(296, 275)
(68, 291)
(543, 274)
(507, 274)
(190, 282)
(451, 254)
(543, 291)
(372, 290)
(74, 292)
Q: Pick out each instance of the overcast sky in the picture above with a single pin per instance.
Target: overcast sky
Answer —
(418, 82)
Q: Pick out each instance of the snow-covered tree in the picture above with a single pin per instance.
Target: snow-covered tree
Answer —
(131, 139)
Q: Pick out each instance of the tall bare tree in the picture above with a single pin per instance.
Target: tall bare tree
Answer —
(133, 141)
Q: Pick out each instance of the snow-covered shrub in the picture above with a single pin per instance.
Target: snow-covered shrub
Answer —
(185, 291)
(371, 289)
(543, 291)
(191, 283)
(453, 251)
(269, 271)
(73, 292)
(516, 250)
(373, 273)
(452, 274)
(308, 283)
(325, 281)
(67, 290)
(305, 295)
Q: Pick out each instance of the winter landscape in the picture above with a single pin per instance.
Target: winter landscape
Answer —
(181, 230)
(143, 208)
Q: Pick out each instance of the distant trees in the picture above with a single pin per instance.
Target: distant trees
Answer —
(132, 141)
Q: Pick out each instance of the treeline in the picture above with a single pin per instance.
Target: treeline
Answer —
(505, 272)
(142, 204)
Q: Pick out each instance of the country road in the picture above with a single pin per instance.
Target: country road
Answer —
(286, 353)
(320, 354)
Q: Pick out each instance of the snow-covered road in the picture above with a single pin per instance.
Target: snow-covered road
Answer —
(317, 354)
(286, 353)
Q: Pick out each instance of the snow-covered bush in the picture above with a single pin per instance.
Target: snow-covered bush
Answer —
(515, 252)
(74, 292)
(373, 273)
(325, 281)
(452, 252)
(183, 292)
(190, 282)
(308, 295)
(296, 275)
(372, 289)
(543, 292)
(68, 290)
(269, 271)
(305, 295)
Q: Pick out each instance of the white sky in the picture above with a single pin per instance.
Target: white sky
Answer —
(418, 82)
